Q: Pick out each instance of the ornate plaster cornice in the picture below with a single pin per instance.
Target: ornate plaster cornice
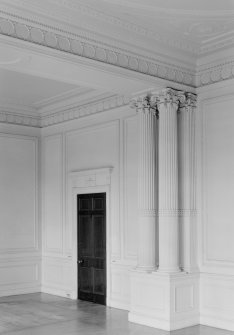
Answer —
(65, 115)
(20, 119)
(179, 43)
(85, 110)
(214, 74)
(76, 45)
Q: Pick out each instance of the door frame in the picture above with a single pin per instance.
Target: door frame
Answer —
(101, 184)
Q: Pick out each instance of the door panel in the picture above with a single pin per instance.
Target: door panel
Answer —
(92, 247)
(85, 230)
(99, 231)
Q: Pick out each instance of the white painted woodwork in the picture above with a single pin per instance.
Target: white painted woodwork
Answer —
(187, 186)
(87, 148)
(163, 301)
(217, 300)
(130, 187)
(20, 255)
(215, 194)
(168, 102)
(52, 200)
(147, 186)
(75, 89)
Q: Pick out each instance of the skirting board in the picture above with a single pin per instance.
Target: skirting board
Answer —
(119, 305)
(19, 291)
(217, 322)
(162, 324)
(59, 292)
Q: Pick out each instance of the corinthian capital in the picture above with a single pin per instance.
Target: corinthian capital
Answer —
(144, 103)
(169, 96)
(190, 101)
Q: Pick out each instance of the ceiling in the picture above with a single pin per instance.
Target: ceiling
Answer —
(183, 30)
(196, 26)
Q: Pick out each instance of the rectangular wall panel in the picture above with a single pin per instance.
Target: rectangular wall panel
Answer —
(52, 194)
(18, 194)
(217, 301)
(218, 182)
(130, 187)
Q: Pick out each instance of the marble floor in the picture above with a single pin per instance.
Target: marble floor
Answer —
(43, 314)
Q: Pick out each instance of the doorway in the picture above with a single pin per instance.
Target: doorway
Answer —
(92, 247)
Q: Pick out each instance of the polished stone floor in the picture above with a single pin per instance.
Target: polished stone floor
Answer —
(43, 314)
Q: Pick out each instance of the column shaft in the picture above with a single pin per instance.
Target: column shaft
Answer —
(147, 182)
(168, 182)
(187, 194)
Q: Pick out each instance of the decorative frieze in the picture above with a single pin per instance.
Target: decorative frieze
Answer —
(80, 46)
(86, 110)
(215, 74)
(65, 115)
(19, 119)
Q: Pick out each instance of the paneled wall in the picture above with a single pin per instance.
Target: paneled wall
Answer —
(109, 140)
(20, 250)
(217, 216)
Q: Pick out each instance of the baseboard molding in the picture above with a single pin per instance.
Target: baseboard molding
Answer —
(148, 321)
(61, 292)
(161, 323)
(216, 322)
(21, 290)
(119, 304)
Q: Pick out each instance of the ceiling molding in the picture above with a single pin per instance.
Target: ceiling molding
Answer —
(214, 74)
(19, 119)
(181, 43)
(85, 110)
(88, 49)
(72, 113)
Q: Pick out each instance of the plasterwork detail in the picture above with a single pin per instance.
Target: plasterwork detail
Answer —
(89, 49)
(19, 119)
(82, 111)
(215, 74)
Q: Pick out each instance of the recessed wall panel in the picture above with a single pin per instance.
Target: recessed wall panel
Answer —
(218, 181)
(52, 199)
(18, 193)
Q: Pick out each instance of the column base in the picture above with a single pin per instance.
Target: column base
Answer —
(164, 301)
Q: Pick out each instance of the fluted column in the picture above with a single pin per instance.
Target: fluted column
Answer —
(187, 201)
(168, 102)
(147, 183)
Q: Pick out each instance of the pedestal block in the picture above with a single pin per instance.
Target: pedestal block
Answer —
(164, 301)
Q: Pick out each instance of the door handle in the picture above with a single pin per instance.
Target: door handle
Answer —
(80, 261)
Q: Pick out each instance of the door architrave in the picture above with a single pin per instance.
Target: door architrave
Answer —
(85, 182)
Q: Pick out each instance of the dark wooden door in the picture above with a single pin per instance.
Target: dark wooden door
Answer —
(92, 247)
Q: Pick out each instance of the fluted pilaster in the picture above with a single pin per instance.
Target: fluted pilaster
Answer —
(167, 103)
(187, 200)
(147, 182)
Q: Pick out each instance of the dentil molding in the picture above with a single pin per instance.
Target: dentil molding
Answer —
(82, 111)
(65, 115)
(20, 119)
